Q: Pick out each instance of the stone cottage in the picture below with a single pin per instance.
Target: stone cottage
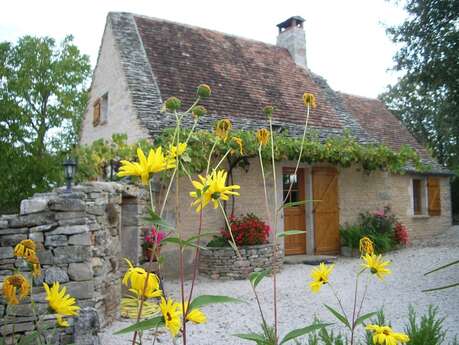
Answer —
(143, 61)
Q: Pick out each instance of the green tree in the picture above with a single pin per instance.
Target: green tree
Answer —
(426, 97)
(42, 98)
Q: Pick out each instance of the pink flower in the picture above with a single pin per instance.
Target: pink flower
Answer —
(155, 236)
(379, 213)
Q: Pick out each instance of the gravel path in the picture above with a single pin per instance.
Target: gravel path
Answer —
(298, 305)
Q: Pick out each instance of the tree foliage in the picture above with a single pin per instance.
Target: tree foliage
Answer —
(42, 98)
(426, 97)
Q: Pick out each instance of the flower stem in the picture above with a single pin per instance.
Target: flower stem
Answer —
(274, 231)
(234, 245)
(354, 309)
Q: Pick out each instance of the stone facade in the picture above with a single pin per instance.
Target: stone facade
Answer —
(109, 78)
(360, 191)
(223, 263)
(78, 237)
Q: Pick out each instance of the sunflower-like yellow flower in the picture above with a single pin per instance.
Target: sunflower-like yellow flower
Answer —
(36, 270)
(320, 276)
(196, 316)
(366, 246)
(309, 100)
(62, 303)
(172, 312)
(262, 136)
(376, 265)
(15, 288)
(223, 128)
(239, 143)
(26, 249)
(384, 335)
(200, 193)
(135, 278)
(156, 162)
(174, 151)
(218, 189)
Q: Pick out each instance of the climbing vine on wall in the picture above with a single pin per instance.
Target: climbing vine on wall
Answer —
(343, 151)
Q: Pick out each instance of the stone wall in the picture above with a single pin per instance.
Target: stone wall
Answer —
(360, 191)
(78, 244)
(223, 263)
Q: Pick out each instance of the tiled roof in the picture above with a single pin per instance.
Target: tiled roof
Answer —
(162, 59)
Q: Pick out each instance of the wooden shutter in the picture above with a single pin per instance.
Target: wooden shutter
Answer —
(96, 113)
(433, 190)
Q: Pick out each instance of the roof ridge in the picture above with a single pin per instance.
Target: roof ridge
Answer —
(191, 26)
(358, 96)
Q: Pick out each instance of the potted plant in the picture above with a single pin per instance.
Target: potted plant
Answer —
(152, 243)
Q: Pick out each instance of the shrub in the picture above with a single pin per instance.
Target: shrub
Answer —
(428, 331)
(247, 230)
(351, 235)
(218, 242)
(381, 226)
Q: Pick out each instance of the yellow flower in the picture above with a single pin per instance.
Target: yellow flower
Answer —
(173, 151)
(263, 136)
(319, 276)
(200, 193)
(366, 246)
(15, 288)
(135, 278)
(309, 100)
(36, 270)
(239, 143)
(223, 128)
(196, 316)
(25, 249)
(218, 189)
(384, 335)
(156, 162)
(172, 312)
(376, 265)
(62, 303)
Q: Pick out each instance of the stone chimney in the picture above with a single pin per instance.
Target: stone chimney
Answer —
(292, 37)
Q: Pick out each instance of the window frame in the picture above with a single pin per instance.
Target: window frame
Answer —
(424, 197)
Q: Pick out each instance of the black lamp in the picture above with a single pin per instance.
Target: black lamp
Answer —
(69, 172)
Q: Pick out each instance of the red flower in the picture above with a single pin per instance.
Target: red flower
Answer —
(247, 230)
(401, 234)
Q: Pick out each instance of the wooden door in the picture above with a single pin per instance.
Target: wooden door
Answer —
(326, 210)
(294, 217)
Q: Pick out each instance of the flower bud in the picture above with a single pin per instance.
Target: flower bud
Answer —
(198, 111)
(173, 104)
(309, 100)
(268, 111)
(204, 91)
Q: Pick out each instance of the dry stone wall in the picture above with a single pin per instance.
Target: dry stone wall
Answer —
(223, 263)
(78, 244)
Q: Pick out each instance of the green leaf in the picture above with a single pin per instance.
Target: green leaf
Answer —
(155, 219)
(442, 267)
(290, 232)
(296, 203)
(364, 317)
(251, 336)
(28, 339)
(173, 240)
(442, 287)
(193, 238)
(302, 331)
(143, 325)
(340, 317)
(212, 299)
(256, 277)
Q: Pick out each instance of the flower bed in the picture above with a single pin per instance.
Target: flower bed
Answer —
(223, 262)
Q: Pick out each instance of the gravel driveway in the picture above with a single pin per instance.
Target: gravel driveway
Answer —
(298, 305)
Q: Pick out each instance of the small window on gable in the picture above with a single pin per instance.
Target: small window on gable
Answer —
(419, 196)
(100, 111)
(104, 109)
(96, 113)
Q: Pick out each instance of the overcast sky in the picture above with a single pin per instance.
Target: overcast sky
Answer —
(346, 40)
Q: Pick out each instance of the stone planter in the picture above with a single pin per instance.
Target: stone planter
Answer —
(223, 263)
(350, 252)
